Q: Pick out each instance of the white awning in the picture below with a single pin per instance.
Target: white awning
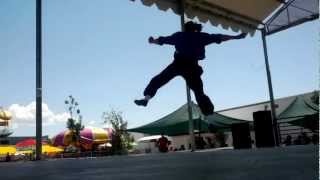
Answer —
(245, 15)
(238, 15)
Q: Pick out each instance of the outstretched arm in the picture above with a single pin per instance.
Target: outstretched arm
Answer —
(218, 38)
(152, 40)
(163, 40)
(228, 37)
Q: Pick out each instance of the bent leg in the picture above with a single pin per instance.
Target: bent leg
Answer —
(161, 79)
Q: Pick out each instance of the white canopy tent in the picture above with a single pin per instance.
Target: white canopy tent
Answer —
(246, 15)
(269, 16)
(234, 14)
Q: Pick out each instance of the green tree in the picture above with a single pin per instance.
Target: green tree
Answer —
(121, 139)
(74, 122)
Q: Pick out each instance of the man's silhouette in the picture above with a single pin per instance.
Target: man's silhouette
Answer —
(190, 48)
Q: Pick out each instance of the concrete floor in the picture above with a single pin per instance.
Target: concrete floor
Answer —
(286, 163)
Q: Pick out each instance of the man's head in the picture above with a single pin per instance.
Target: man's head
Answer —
(192, 27)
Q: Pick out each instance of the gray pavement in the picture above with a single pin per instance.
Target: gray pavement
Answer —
(287, 163)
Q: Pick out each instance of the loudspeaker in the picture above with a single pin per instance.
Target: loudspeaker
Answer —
(241, 136)
(262, 123)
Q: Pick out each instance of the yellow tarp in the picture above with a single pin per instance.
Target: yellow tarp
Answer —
(45, 149)
(7, 149)
(51, 149)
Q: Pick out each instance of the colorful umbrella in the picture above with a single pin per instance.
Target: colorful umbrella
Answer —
(88, 136)
(27, 143)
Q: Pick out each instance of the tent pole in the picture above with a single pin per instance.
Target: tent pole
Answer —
(191, 128)
(272, 104)
(38, 80)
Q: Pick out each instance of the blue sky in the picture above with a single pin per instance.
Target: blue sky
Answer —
(98, 51)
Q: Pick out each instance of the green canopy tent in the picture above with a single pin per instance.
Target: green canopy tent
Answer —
(310, 122)
(221, 122)
(177, 122)
(172, 124)
(302, 112)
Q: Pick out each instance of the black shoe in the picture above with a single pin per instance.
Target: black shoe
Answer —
(208, 110)
(207, 113)
(141, 102)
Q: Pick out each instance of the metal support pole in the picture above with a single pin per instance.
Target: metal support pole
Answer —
(272, 104)
(191, 128)
(38, 79)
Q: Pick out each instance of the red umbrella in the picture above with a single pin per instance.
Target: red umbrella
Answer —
(28, 142)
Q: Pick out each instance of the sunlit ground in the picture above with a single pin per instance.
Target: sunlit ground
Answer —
(294, 162)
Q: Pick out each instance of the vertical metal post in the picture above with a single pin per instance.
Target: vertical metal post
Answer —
(272, 104)
(38, 79)
(191, 128)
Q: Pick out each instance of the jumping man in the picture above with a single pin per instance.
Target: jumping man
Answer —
(190, 48)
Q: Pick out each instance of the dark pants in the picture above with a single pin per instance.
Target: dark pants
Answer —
(191, 72)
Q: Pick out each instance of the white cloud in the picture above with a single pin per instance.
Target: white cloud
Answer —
(92, 123)
(26, 115)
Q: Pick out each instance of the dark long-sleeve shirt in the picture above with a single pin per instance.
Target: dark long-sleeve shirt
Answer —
(190, 45)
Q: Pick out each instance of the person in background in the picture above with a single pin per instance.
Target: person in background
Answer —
(182, 148)
(305, 138)
(8, 157)
(298, 140)
(163, 143)
(288, 140)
